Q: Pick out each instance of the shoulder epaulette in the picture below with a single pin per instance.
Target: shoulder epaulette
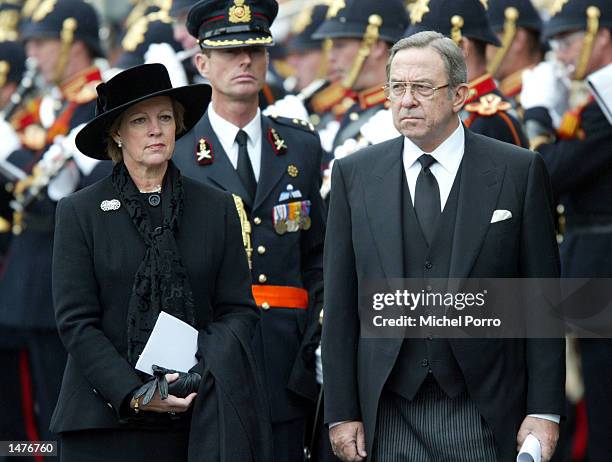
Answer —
(295, 123)
(488, 105)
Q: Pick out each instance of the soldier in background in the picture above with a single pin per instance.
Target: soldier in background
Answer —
(362, 32)
(465, 21)
(63, 38)
(578, 155)
(304, 53)
(272, 166)
(518, 27)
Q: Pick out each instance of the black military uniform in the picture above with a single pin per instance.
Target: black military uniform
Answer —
(283, 223)
(368, 20)
(505, 16)
(25, 285)
(486, 111)
(579, 159)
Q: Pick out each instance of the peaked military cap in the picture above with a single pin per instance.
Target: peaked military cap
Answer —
(306, 23)
(152, 28)
(350, 19)
(232, 23)
(453, 18)
(12, 62)
(524, 11)
(571, 15)
(50, 18)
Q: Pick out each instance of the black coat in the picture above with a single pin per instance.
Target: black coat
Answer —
(293, 259)
(507, 379)
(96, 255)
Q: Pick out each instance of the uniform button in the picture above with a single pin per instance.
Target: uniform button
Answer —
(95, 391)
(428, 288)
(109, 405)
(257, 220)
(154, 200)
(428, 265)
(354, 116)
(424, 363)
(429, 336)
(261, 250)
(262, 278)
(265, 306)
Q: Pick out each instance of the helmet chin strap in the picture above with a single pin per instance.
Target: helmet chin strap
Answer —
(67, 39)
(593, 15)
(511, 14)
(369, 38)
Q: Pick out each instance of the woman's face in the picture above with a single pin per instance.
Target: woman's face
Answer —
(147, 132)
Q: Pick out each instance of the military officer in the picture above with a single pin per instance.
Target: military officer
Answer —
(465, 21)
(362, 32)
(518, 27)
(62, 37)
(272, 167)
(578, 155)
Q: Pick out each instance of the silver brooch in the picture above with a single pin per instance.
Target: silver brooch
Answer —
(113, 204)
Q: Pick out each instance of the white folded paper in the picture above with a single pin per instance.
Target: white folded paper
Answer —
(172, 344)
(531, 451)
(600, 84)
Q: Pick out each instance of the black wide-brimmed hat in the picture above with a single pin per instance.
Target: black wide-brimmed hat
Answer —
(130, 87)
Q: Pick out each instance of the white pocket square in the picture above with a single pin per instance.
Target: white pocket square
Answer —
(501, 215)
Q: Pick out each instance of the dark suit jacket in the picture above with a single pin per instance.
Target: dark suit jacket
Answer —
(292, 259)
(96, 255)
(507, 379)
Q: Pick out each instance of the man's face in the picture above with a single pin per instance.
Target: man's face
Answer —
(238, 73)
(46, 51)
(341, 57)
(306, 65)
(567, 47)
(426, 121)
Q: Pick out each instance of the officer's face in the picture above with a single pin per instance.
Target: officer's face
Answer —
(341, 57)
(234, 73)
(147, 133)
(426, 121)
(46, 51)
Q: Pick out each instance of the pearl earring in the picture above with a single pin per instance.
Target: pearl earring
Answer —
(119, 144)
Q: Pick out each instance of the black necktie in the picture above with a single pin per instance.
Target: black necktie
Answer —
(427, 198)
(244, 168)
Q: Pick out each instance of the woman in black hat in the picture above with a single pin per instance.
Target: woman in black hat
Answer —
(141, 241)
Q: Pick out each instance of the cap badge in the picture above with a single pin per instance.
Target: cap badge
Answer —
(239, 12)
(418, 9)
(334, 7)
(556, 7)
(43, 10)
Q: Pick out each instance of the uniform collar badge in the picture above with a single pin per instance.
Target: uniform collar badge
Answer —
(278, 144)
(204, 153)
(110, 205)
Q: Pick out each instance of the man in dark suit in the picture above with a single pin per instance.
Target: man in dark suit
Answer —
(396, 212)
(273, 165)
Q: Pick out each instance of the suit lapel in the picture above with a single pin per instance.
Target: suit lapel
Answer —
(273, 167)
(221, 171)
(383, 206)
(481, 182)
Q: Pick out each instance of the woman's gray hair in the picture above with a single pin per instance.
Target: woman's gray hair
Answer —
(451, 55)
(114, 151)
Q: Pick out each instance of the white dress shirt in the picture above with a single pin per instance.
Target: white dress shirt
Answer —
(448, 159)
(227, 131)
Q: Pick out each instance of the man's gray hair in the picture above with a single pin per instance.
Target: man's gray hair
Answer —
(451, 54)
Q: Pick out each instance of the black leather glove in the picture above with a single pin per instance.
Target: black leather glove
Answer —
(186, 384)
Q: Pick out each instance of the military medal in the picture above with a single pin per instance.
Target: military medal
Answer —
(293, 171)
(204, 154)
(279, 218)
(305, 221)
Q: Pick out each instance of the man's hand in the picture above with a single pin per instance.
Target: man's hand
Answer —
(348, 441)
(546, 431)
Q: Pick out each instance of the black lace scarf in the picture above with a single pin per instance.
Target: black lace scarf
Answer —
(161, 282)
